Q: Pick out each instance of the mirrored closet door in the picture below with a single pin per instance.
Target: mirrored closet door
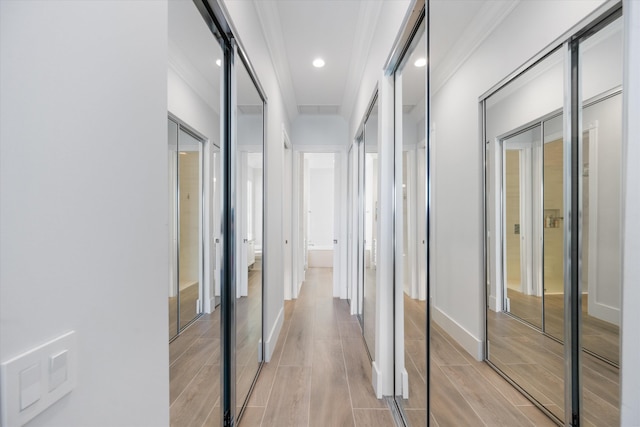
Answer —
(553, 204)
(411, 325)
(250, 248)
(371, 229)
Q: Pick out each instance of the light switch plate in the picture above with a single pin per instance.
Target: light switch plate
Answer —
(36, 379)
(58, 372)
(30, 386)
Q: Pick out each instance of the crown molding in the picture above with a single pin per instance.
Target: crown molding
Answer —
(365, 30)
(181, 65)
(271, 27)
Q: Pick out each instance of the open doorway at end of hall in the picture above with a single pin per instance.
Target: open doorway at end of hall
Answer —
(317, 220)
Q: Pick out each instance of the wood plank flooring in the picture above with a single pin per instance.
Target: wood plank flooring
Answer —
(320, 374)
(536, 363)
(464, 392)
(598, 336)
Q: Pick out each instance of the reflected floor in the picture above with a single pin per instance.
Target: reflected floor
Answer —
(536, 363)
(194, 357)
(188, 306)
(598, 336)
(463, 390)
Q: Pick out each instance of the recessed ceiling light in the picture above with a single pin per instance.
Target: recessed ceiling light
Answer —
(218, 62)
(183, 153)
(420, 62)
(318, 62)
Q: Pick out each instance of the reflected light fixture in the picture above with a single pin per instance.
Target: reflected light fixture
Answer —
(318, 62)
(420, 62)
(219, 62)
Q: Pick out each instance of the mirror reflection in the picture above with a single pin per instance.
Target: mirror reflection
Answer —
(371, 212)
(194, 196)
(517, 201)
(601, 59)
(410, 81)
(526, 194)
(249, 234)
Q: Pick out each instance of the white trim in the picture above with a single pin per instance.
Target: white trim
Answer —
(287, 235)
(596, 309)
(376, 380)
(271, 27)
(474, 346)
(270, 344)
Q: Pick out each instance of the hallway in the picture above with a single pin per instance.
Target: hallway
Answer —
(320, 374)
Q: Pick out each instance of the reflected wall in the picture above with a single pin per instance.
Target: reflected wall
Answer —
(548, 327)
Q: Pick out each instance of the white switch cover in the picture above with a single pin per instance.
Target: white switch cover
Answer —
(58, 369)
(36, 379)
(29, 386)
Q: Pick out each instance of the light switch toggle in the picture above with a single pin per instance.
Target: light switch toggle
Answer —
(29, 386)
(58, 369)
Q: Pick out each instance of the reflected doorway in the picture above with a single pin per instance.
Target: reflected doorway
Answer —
(185, 230)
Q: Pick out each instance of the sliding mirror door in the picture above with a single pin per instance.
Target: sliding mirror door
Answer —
(517, 343)
(194, 100)
(371, 210)
(411, 236)
(600, 172)
(250, 253)
(553, 205)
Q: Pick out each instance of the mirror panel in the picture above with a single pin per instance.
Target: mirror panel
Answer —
(521, 213)
(194, 102)
(601, 61)
(189, 227)
(371, 211)
(516, 206)
(173, 226)
(411, 260)
(249, 235)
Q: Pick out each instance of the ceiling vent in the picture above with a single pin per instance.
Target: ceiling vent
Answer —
(319, 109)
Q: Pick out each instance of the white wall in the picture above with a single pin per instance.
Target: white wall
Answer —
(247, 24)
(83, 200)
(392, 14)
(630, 410)
(457, 203)
(319, 130)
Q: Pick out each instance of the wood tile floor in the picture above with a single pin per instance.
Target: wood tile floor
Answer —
(320, 375)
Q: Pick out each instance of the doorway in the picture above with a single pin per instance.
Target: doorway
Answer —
(317, 223)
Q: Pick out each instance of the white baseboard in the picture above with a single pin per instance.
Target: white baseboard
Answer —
(376, 380)
(493, 303)
(210, 305)
(270, 344)
(405, 384)
(473, 345)
(604, 312)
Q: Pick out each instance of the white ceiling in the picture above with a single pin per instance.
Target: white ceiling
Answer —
(339, 31)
